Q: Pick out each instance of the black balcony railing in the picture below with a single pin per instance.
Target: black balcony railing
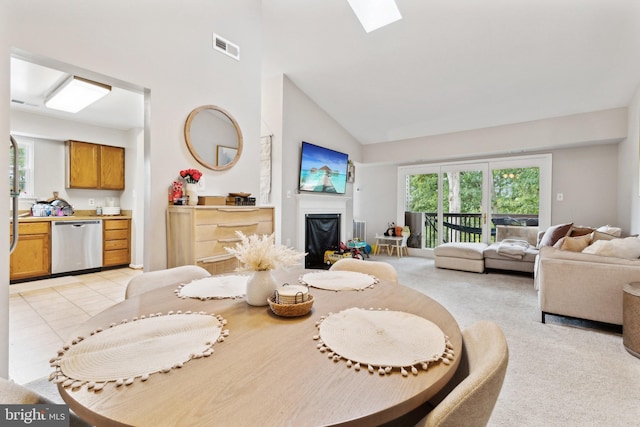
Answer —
(459, 227)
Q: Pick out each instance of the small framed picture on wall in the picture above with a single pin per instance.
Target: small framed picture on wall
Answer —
(225, 155)
(351, 172)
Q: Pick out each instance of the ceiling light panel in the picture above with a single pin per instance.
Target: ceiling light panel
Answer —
(75, 94)
(374, 14)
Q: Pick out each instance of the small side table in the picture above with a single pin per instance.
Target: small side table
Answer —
(631, 318)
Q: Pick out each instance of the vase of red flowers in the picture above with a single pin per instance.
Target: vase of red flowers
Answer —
(191, 177)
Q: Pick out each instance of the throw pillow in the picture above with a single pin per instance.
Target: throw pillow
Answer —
(614, 231)
(599, 235)
(573, 244)
(628, 248)
(555, 233)
(578, 230)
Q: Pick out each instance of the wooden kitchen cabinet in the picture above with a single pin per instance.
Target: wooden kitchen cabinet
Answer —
(198, 235)
(95, 166)
(111, 168)
(116, 245)
(32, 255)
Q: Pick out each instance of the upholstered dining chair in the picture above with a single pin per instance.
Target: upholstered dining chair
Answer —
(156, 279)
(379, 269)
(16, 394)
(471, 395)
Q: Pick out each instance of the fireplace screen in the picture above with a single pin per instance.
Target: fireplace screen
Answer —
(322, 233)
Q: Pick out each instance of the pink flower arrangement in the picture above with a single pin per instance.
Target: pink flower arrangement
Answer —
(192, 176)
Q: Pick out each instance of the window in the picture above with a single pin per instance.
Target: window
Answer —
(25, 168)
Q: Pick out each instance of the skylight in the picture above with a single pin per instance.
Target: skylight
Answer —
(374, 14)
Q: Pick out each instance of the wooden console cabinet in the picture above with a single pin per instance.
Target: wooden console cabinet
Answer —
(95, 166)
(197, 235)
(116, 245)
(32, 255)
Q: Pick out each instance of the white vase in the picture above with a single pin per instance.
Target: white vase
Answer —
(192, 192)
(260, 286)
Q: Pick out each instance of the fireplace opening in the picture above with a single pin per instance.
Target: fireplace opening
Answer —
(322, 233)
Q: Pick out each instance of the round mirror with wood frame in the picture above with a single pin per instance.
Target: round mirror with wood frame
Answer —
(213, 137)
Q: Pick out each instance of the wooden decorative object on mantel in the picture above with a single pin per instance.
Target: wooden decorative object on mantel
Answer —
(240, 199)
(212, 200)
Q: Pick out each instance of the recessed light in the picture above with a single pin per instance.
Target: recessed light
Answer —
(76, 93)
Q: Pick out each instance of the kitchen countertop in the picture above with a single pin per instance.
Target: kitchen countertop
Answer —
(69, 218)
(81, 215)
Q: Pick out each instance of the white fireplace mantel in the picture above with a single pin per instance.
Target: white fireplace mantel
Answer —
(320, 204)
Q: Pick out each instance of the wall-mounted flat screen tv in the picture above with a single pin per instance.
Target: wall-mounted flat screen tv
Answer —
(322, 170)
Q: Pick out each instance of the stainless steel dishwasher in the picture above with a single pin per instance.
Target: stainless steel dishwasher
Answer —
(76, 245)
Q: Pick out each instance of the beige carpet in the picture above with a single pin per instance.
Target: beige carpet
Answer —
(560, 373)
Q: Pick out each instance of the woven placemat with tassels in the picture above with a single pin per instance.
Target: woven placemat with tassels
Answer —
(339, 280)
(214, 287)
(137, 348)
(383, 340)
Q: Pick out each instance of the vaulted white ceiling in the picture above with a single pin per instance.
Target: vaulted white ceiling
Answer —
(448, 65)
(452, 65)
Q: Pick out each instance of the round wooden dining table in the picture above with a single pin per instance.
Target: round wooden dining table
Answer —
(268, 371)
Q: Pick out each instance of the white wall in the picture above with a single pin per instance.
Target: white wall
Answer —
(302, 120)
(628, 170)
(49, 135)
(133, 196)
(4, 195)
(586, 171)
(518, 138)
(587, 176)
(375, 195)
(272, 124)
(165, 47)
(171, 55)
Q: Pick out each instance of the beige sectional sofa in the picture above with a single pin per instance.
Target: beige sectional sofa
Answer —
(475, 257)
(465, 256)
(578, 271)
(582, 285)
(586, 285)
(496, 261)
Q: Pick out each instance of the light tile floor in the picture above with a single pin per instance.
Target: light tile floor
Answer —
(44, 313)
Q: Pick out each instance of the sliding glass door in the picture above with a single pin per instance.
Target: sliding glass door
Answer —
(475, 201)
(515, 201)
(421, 207)
(464, 202)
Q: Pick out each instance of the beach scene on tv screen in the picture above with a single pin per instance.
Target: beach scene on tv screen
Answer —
(323, 170)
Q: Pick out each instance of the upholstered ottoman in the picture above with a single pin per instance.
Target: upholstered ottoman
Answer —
(493, 259)
(460, 256)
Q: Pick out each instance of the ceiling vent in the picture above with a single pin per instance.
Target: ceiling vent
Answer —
(226, 47)
(21, 102)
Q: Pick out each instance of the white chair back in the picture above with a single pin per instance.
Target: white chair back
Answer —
(146, 282)
(379, 269)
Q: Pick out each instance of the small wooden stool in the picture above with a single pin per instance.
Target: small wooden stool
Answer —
(631, 318)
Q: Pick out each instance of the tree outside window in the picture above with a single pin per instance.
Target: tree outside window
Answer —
(25, 169)
(515, 192)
